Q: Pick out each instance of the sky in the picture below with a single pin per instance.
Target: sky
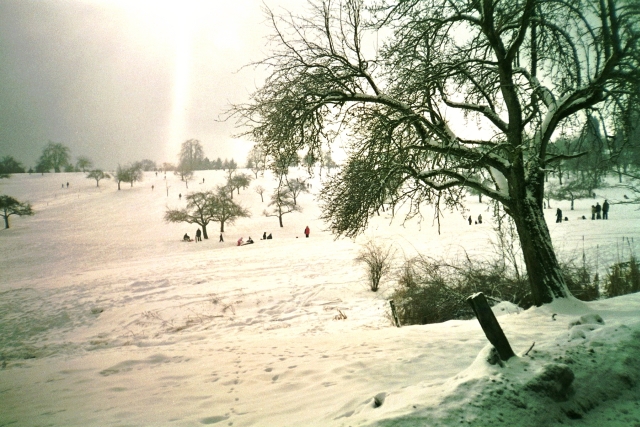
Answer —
(107, 318)
(124, 80)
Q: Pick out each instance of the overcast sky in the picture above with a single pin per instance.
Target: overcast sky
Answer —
(123, 80)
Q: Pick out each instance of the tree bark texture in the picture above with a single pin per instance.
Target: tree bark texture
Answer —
(542, 265)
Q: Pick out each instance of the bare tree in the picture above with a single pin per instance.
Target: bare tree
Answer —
(83, 163)
(238, 181)
(519, 70)
(256, 161)
(260, 190)
(98, 175)
(10, 206)
(130, 173)
(297, 187)
(281, 204)
(205, 207)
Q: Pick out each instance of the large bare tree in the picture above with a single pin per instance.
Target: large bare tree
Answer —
(435, 97)
(204, 207)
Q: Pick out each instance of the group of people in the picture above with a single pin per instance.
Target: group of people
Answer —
(478, 221)
(597, 212)
(186, 237)
(249, 241)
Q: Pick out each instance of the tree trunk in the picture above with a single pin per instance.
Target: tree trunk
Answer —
(543, 269)
(222, 226)
(280, 218)
(6, 219)
(204, 231)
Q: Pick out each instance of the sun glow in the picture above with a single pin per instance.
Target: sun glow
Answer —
(181, 80)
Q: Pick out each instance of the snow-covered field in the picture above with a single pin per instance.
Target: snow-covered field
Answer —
(108, 319)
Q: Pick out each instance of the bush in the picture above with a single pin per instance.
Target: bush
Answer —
(433, 291)
(578, 280)
(378, 261)
(623, 278)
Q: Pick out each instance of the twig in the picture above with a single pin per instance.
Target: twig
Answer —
(534, 343)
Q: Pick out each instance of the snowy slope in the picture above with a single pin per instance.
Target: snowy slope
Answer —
(107, 318)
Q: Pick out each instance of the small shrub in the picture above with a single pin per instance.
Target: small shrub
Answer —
(378, 261)
(623, 278)
(578, 281)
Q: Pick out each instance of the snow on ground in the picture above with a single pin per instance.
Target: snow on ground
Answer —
(108, 319)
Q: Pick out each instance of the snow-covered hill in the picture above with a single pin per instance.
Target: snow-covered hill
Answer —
(108, 319)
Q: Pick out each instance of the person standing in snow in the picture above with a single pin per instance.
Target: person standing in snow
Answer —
(307, 232)
(598, 210)
(558, 215)
(605, 210)
(480, 219)
(470, 221)
(198, 236)
(221, 238)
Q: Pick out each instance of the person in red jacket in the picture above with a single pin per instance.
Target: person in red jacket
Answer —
(307, 231)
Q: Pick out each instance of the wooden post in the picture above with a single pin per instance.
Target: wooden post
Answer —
(490, 325)
(394, 313)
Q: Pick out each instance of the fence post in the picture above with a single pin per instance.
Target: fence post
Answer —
(490, 325)
(394, 313)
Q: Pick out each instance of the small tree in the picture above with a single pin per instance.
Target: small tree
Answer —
(260, 190)
(571, 190)
(239, 181)
(224, 210)
(98, 175)
(121, 175)
(377, 260)
(281, 204)
(10, 206)
(204, 207)
(196, 212)
(297, 187)
(328, 161)
(129, 173)
(256, 161)
(83, 163)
